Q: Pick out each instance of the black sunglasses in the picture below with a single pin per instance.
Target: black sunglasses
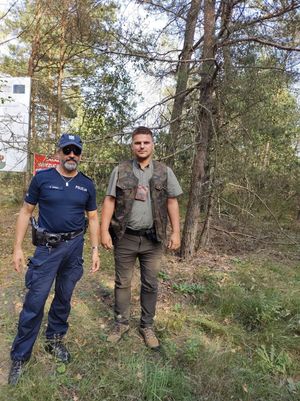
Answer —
(71, 148)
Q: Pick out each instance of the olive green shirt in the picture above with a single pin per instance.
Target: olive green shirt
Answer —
(141, 214)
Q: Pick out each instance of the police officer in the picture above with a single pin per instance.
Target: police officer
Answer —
(141, 195)
(64, 196)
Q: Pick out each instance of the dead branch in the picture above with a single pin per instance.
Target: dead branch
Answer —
(232, 233)
(237, 206)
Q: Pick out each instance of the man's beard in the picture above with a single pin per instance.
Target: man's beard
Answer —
(70, 164)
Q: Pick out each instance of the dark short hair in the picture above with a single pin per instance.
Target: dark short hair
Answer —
(141, 130)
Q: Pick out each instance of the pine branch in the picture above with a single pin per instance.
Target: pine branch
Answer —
(261, 41)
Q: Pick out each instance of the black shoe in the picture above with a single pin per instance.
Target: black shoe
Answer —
(56, 348)
(15, 372)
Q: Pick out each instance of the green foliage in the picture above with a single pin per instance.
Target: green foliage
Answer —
(253, 310)
(189, 288)
(193, 349)
(165, 382)
(209, 351)
(293, 324)
(101, 119)
(163, 275)
(204, 289)
(61, 368)
(96, 90)
(274, 362)
(11, 188)
(260, 137)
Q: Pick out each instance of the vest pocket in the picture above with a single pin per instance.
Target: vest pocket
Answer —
(161, 195)
(124, 186)
(160, 187)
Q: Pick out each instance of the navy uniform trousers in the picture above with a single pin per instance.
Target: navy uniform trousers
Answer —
(64, 264)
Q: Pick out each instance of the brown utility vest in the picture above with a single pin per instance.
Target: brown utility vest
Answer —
(127, 184)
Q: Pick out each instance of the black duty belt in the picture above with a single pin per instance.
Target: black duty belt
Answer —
(136, 232)
(71, 234)
(42, 237)
(54, 238)
(149, 233)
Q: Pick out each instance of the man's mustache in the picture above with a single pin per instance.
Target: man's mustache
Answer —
(71, 159)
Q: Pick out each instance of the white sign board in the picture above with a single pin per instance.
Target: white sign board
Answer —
(14, 122)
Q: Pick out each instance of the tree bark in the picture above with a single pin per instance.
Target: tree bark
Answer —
(182, 78)
(204, 129)
(32, 64)
(204, 236)
(50, 106)
(59, 100)
(60, 73)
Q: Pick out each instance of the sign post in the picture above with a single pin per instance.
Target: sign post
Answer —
(14, 122)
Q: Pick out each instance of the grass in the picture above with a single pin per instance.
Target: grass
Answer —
(227, 334)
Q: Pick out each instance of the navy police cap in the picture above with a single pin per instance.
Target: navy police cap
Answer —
(70, 139)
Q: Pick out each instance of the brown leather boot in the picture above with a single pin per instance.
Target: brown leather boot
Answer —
(117, 332)
(149, 337)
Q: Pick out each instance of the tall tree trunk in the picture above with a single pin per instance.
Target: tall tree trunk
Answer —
(50, 107)
(226, 14)
(32, 64)
(182, 77)
(204, 236)
(60, 73)
(59, 99)
(204, 126)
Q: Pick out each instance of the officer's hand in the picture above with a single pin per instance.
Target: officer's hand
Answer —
(95, 261)
(18, 260)
(106, 240)
(174, 241)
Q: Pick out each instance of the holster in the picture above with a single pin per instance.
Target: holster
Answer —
(37, 233)
(151, 235)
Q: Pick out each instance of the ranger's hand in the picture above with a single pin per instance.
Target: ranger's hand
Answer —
(18, 260)
(106, 240)
(174, 241)
(95, 261)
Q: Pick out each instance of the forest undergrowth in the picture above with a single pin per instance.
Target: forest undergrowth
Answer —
(228, 322)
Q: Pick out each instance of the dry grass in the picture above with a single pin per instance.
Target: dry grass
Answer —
(209, 351)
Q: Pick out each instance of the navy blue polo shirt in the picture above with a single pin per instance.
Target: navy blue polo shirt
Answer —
(61, 207)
